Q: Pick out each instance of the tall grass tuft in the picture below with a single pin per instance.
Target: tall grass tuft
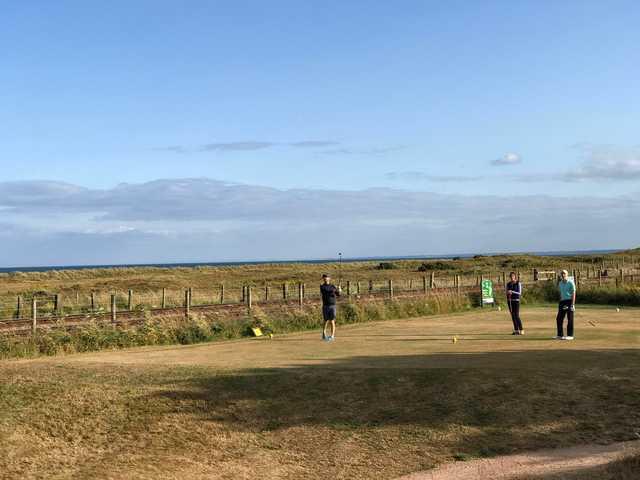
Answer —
(547, 292)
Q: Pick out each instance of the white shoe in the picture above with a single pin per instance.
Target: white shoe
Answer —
(567, 338)
(557, 338)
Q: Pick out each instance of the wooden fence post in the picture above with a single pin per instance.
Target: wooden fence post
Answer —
(432, 280)
(130, 300)
(56, 303)
(370, 287)
(300, 294)
(249, 305)
(424, 285)
(348, 288)
(34, 315)
(358, 288)
(621, 276)
(244, 293)
(163, 301)
(222, 293)
(266, 293)
(19, 307)
(187, 302)
(390, 288)
(93, 301)
(458, 284)
(535, 275)
(113, 307)
(284, 291)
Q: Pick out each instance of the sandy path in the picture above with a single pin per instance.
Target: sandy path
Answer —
(533, 464)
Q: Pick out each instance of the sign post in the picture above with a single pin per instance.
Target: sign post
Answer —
(486, 293)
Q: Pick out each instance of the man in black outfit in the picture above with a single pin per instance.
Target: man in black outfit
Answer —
(329, 294)
(514, 292)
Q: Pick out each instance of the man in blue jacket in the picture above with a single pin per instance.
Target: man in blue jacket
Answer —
(567, 306)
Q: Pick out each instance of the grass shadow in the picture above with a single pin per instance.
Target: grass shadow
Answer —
(479, 404)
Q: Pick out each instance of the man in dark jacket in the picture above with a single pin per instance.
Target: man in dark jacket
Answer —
(329, 294)
(514, 294)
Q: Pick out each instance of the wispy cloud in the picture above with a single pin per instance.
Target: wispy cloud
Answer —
(598, 163)
(235, 146)
(173, 149)
(247, 146)
(414, 176)
(314, 144)
(363, 151)
(507, 159)
(606, 162)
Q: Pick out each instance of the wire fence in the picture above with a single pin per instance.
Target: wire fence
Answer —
(30, 309)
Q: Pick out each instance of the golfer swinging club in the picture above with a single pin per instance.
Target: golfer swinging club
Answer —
(514, 293)
(567, 306)
(329, 294)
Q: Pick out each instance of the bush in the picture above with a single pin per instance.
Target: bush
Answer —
(438, 265)
(386, 266)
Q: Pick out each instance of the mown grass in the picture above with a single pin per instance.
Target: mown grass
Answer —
(377, 417)
(206, 327)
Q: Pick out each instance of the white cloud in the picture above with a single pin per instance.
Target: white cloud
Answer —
(204, 219)
(598, 163)
(507, 159)
(605, 162)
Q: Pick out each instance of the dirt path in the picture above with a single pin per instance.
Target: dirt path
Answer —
(537, 464)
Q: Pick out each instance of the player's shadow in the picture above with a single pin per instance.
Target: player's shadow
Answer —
(487, 402)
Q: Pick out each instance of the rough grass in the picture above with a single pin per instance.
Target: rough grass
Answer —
(75, 286)
(385, 399)
(207, 327)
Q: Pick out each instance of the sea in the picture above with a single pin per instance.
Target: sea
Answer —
(46, 268)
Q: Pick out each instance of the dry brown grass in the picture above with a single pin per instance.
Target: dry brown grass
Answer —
(383, 400)
(75, 286)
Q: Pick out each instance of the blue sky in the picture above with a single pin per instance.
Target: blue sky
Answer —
(475, 99)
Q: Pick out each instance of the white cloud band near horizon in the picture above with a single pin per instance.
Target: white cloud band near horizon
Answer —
(183, 220)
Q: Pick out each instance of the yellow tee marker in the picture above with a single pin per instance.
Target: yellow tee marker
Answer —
(454, 339)
(257, 332)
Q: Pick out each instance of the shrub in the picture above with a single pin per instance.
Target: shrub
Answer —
(386, 266)
(438, 265)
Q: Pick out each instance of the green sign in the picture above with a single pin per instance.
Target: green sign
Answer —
(487, 291)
